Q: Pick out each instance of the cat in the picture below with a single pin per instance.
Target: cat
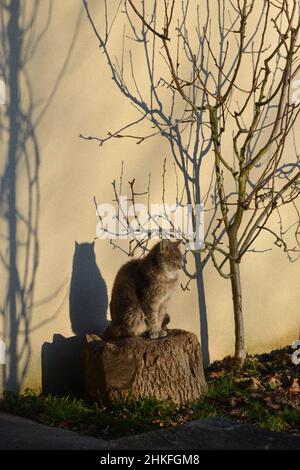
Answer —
(141, 291)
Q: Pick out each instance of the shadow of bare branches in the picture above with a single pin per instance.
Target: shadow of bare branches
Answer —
(21, 34)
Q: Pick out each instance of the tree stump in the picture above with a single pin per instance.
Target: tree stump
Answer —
(168, 368)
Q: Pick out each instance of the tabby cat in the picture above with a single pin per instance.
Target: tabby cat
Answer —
(141, 291)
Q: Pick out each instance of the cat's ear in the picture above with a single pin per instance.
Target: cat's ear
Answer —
(92, 244)
(76, 244)
(164, 244)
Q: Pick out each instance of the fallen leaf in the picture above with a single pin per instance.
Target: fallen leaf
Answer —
(159, 422)
(295, 387)
(173, 423)
(234, 402)
(215, 374)
(274, 381)
(255, 383)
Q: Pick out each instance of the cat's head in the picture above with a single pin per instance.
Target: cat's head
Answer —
(168, 255)
(85, 250)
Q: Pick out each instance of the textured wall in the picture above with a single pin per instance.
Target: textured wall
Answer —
(68, 66)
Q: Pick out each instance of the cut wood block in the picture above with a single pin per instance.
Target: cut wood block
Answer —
(168, 368)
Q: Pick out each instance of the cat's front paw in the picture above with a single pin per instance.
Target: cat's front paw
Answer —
(163, 333)
(153, 335)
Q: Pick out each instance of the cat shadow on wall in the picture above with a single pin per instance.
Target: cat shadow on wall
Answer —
(88, 293)
(62, 360)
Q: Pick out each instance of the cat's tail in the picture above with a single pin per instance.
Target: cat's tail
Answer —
(112, 331)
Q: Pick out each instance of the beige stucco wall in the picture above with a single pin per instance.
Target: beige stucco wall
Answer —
(72, 171)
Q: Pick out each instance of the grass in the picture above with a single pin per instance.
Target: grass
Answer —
(259, 393)
(123, 417)
(292, 417)
(258, 413)
(222, 387)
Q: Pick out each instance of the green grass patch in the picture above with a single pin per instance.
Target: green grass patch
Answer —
(222, 387)
(262, 392)
(292, 416)
(121, 418)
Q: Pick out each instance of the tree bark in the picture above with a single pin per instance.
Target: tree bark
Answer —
(168, 368)
(202, 309)
(238, 311)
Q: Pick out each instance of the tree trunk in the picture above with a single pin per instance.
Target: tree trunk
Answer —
(236, 287)
(168, 368)
(202, 309)
(238, 311)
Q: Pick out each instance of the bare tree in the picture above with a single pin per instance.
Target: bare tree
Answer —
(233, 72)
(157, 104)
